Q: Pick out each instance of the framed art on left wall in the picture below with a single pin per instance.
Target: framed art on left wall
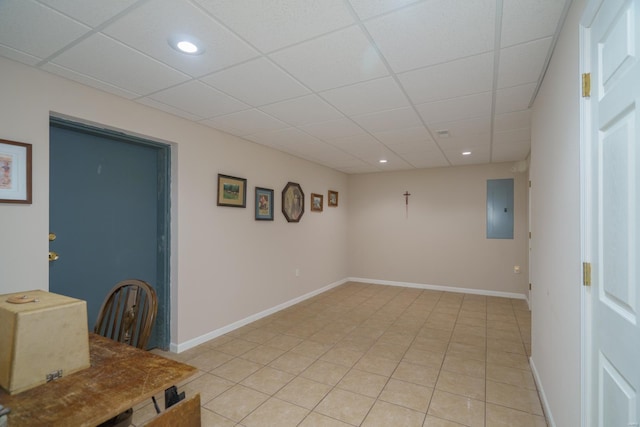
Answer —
(232, 191)
(15, 172)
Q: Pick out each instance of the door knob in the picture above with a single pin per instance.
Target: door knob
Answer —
(52, 237)
(53, 256)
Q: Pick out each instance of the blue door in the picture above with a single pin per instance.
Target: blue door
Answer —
(109, 213)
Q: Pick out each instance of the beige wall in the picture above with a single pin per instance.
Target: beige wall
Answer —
(555, 225)
(225, 265)
(443, 241)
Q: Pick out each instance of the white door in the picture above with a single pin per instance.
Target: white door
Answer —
(612, 191)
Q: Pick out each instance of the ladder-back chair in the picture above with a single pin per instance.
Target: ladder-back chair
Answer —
(128, 313)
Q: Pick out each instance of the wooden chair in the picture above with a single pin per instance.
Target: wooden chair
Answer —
(183, 414)
(128, 313)
(127, 316)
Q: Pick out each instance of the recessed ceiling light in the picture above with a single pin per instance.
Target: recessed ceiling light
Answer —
(188, 45)
(466, 153)
(383, 161)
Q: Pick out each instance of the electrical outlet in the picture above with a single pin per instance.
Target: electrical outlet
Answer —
(297, 272)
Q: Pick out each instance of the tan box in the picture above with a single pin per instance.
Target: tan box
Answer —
(44, 338)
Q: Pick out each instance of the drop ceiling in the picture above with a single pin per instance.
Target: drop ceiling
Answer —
(343, 83)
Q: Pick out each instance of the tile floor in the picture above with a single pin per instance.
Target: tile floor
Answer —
(371, 355)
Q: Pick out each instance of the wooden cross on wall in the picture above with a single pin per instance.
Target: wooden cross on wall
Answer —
(406, 202)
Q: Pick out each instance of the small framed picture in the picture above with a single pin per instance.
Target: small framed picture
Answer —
(15, 172)
(232, 191)
(333, 198)
(264, 204)
(316, 202)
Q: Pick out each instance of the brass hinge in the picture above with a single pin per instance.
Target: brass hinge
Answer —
(586, 273)
(529, 183)
(586, 85)
(529, 286)
(529, 234)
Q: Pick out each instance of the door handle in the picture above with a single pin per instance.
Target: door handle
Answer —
(53, 256)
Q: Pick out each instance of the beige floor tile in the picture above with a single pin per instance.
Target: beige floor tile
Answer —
(416, 374)
(345, 406)
(284, 342)
(511, 360)
(292, 363)
(499, 416)
(461, 384)
(237, 403)
(508, 346)
(236, 369)
(311, 349)
(514, 397)
(502, 334)
(211, 419)
(209, 360)
(431, 421)
(376, 365)
(342, 356)
(475, 330)
(388, 351)
(236, 347)
(430, 344)
(275, 413)
(470, 339)
(262, 354)
(444, 325)
(267, 380)
(318, 420)
(467, 351)
(471, 320)
(362, 382)
(456, 408)
(463, 365)
(304, 392)
(209, 386)
(325, 372)
(385, 414)
(435, 333)
(259, 335)
(422, 357)
(516, 377)
(409, 395)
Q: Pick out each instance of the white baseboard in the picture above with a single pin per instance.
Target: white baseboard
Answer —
(440, 288)
(178, 348)
(543, 396)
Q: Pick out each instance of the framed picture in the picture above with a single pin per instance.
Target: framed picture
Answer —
(316, 202)
(333, 198)
(15, 172)
(264, 204)
(292, 202)
(232, 191)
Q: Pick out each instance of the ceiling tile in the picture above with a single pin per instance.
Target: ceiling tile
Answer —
(461, 108)
(281, 137)
(247, 83)
(91, 12)
(337, 59)
(35, 29)
(409, 147)
(245, 122)
(89, 81)
(410, 134)
(168, 108)
(522, 63)
(478, 155)
(427, 159)
(18, 55)
(465, 133)
(150, 27)
(524, 20)
(393, 161)
(368, 97)
(369, 8)
(302, 111)
(101, 57)
(513, 120)
(449, 80)
(389, 120)
(434, 32)
(199, 99)
(514, 98)
(271, 25)
(360, 145)
(333, 129)
(512, 136)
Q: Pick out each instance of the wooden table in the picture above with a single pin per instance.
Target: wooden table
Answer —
(120, 377)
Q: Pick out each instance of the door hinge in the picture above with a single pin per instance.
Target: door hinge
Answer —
(529, 286)
(529, 234)
(586, 273)
(586, 85)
